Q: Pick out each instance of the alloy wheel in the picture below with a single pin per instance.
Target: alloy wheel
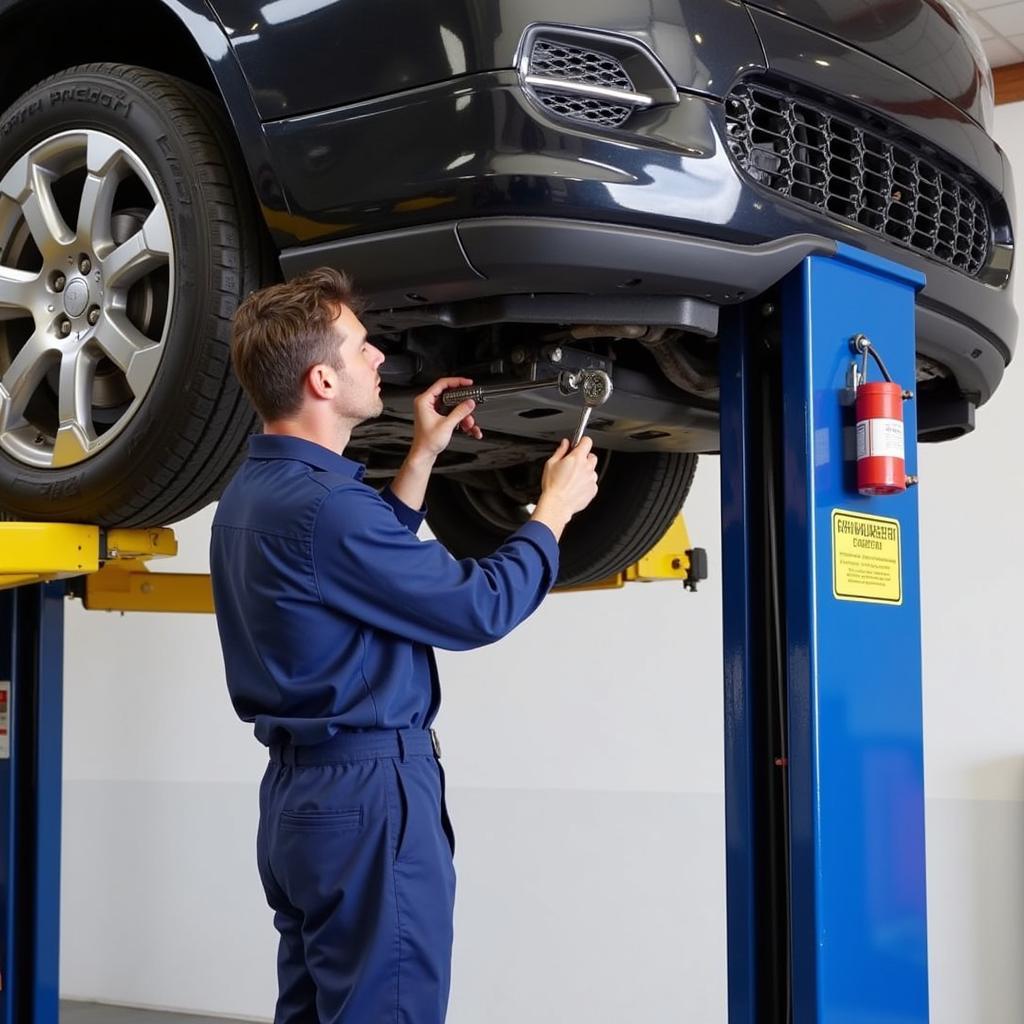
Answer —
(86, 280)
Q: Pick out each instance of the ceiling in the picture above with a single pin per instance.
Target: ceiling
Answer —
(1001, 27)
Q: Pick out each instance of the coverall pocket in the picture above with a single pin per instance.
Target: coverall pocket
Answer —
(398, 810)
(446, 822)
(318, 819)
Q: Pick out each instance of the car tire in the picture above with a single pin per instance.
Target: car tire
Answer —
(125, 411)
(639, 496)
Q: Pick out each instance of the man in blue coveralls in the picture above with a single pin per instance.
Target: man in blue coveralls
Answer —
(328, 607)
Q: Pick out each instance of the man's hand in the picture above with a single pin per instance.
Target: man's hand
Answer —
(432, 432)
(568, 485)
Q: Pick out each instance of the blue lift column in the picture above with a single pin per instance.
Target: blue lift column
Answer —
(31, 703)
(824, 767)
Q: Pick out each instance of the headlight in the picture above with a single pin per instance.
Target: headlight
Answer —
(971, 38)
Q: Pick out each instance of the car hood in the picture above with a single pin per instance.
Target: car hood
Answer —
(930, 40)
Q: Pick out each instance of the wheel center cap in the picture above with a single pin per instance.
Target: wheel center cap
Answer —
(76, 297)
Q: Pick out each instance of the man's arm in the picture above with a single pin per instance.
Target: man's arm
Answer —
(367, 565)
(568, 485)
(410, 483)
(432, 433)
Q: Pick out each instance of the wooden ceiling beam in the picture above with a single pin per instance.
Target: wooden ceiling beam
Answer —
(1009, 81)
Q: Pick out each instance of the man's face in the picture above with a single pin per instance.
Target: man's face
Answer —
(358, 396)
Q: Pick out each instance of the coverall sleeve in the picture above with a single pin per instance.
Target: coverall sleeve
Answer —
(369, 566)
(409, 517)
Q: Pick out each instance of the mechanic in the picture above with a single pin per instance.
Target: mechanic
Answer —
(328, 607)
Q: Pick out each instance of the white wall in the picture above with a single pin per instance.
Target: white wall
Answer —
(972, 566)
(584, 755)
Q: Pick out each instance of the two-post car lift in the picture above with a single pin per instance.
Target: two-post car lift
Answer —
(824, 770)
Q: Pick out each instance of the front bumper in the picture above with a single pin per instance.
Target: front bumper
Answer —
(517, 203)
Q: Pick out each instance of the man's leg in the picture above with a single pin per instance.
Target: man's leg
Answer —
(425, 886)
(331, 846)
(296, 999)
(296, 993)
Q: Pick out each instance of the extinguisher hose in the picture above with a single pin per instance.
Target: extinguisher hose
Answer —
(862, 344)
(878, 359)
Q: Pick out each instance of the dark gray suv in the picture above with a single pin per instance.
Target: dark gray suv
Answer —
(517, 187)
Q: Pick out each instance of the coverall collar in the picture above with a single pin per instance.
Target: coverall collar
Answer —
(284, 446)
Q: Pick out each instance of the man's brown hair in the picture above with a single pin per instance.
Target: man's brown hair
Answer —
(279, 332)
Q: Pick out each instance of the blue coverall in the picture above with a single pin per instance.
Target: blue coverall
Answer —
(328, 606)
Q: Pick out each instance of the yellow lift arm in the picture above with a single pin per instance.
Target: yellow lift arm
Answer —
(116, 575)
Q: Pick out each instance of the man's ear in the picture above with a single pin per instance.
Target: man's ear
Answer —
(322, 381)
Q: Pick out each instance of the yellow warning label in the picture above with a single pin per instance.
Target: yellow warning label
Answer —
(867, 564)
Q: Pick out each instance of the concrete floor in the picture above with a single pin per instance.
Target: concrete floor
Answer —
(97, 1013)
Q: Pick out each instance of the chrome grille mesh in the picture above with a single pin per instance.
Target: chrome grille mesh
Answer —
(560, 60)
(584, 108)
(556, 60)
(855, 172)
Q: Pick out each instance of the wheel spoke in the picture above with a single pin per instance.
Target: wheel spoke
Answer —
(148, 249)
(28, 184)
(22, 377)
(70, 446)
(74, 403)
(143, 369)
(44, 220)
(103, 161)
(17, 288)
(118, 339)
(135, 354)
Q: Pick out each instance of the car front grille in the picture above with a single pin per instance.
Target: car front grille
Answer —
(555, 60)
(870, 174)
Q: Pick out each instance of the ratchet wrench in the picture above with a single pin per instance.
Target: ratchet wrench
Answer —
(595, 386)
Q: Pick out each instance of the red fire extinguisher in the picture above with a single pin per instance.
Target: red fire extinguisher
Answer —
(881, 465)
